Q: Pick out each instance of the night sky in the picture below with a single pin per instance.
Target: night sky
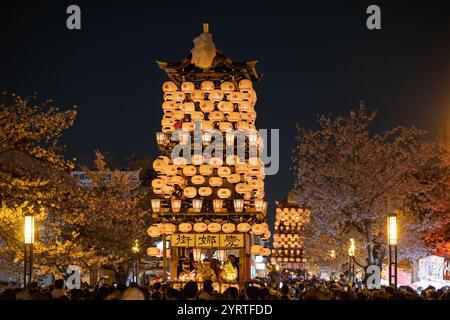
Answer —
(316, 56)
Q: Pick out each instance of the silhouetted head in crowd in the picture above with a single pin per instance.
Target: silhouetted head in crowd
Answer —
(232, 293)
(251, 293)
(59, 284)
(190, 290)
(208, 286)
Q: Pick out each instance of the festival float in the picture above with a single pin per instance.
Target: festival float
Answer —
(287, 252)
(209, 181)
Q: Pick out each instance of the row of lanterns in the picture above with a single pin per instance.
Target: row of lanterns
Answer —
(290, 259)
(244, 85)
(253, 138)
(259, 204)
(258, 229)
(251, 168)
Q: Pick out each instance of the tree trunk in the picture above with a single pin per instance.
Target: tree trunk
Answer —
(370, 259)
(121, 274)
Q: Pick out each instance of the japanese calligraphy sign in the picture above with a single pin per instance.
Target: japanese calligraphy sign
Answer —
(182, 240)
(207, 240)
(231, 240)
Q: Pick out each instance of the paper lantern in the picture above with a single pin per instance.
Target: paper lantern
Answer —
(189, 171)
(185, 227)
(215, 181)
(168, 96)
(197, 116)
(176, 205)
(234, 178)
(215, 162)
(177, 180)
(187, 87)
(154, 231)
(156, 204)
(225, 126)
(197, 179)
(234, 117)
(205, 170)
(224, 193)
(214, 227)
(265, 252)
(232, 160)
(225, 106)
(238, 205)
(258, 229)
(188, 127)
(207, 126)
(153, 252)
(242, 188)
(168, 228)
(217, 205)
(169, 86)
(242, 125)
(227, 86)
(207, 106)
(204, 191)
(216, 95)
(197, 159)
(256, 249)
(223, 172)
(197, 95)
(190, 192)
(235, 97)
(245, 84)
(187, 107)
(179, 162)
(197, 205)
(243, 227)
(169, 106)
(200, 227)
(244, 106)
(207, 86)
(159, 165)
(178, 96)
(259, 205)
(228, 227)
(216, 116)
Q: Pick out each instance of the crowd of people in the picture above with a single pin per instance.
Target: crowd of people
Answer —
(312, 289)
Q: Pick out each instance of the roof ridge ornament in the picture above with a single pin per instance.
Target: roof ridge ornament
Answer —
(204, 50)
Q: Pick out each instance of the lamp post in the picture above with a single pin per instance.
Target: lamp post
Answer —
(392, 243)
(351, 262)
(135, 250)
(28, 248)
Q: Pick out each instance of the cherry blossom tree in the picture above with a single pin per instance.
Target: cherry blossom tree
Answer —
(112, 215)
(34, 178)
(351, 178)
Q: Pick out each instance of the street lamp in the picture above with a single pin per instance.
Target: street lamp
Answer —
(392, 243)
(135, 250)
(28, 248)
(351, 261)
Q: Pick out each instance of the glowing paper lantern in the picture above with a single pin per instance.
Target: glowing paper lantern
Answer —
(168, 228)
(153, 252)
(214, 227)
(228, 228)
(154, 231)
(243, 227)
(200, 227)
(185, 227)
